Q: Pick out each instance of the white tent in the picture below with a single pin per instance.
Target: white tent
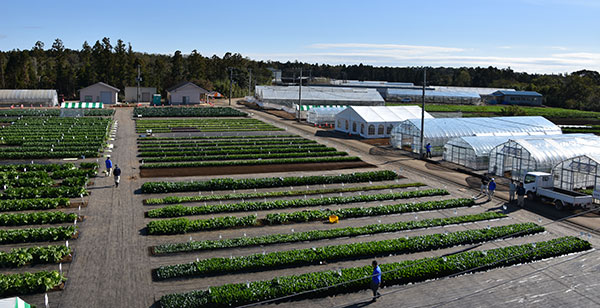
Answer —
(13, 302)
(375, 121)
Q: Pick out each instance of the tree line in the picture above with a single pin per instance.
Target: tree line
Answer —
(68, 70)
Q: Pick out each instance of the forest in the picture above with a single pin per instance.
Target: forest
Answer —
(68, 70)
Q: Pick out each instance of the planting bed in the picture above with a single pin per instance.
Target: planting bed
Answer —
(187, 112)
(203, 125)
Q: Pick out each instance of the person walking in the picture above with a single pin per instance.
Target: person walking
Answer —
(491, 189)
(512, 188)
(376, 280)
(484, 186)
(117, 175)
(428, 150)
(521, 195)
(108, 163)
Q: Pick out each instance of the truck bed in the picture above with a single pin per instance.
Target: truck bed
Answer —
(567, 192)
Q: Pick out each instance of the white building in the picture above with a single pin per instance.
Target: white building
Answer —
(185, 93)
(99, 92)
(375, 121)
(145, 94)
(47, 98)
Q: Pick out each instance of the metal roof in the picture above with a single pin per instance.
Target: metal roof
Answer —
(184, 83)
(387, 114)
(102, 84)
(519, 93)
(490, 126)
(266, 93)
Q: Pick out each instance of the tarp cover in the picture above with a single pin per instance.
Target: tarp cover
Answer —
(13, 302)
(82, 105)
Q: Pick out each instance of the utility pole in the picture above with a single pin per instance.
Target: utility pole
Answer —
(249, 81)
(300, 96)
(230, 84)
(138, 79)
(423, 111)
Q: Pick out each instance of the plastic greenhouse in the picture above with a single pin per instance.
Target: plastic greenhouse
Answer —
(516, 157)
(47, 98)
(323, 115)
(438, 131)
(578, 172)
(473, 151)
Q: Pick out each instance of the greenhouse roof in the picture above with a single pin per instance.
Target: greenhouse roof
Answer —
(326, 110)
(478, 91)
(490, 126)
(388, 114)
(319, 93)
(554, 150)
(415, 92)
(27, 95)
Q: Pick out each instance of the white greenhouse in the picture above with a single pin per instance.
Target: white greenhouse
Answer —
(580, 172)
(516, 157)
(46, 98)
(323, 115)
(472, 151)
(375, 122)
(438, 131)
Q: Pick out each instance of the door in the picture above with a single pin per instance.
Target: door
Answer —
(145, 96)
(185, 99)
(105, 97)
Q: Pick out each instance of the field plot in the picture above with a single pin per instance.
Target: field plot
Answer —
(53, 137)
(203, 125)
(265, 238)
(34, 112)
(148, 112)
(36, 203)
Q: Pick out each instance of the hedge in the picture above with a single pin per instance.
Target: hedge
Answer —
(180, 210)
(326, 254)
(358, 278)
(230, 184)
(315, 235)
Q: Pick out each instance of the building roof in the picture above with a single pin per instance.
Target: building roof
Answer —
(102, 84)
(387, 114)
(185, 83)
(441, 93)
(517, 93)
(265, 93)
(484, 126)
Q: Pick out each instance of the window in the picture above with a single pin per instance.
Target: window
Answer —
(389, 129)
(347, 125)
(529, 179)
(339, 123)
(380, 129)
(371, 129)
(354, 127)
(89, 98)
(362, 128)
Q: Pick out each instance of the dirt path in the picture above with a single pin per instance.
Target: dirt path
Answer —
(106, 270)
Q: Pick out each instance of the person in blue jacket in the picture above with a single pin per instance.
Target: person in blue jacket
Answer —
(428, 150)
(376, 280)
(491, 188)
(109, 166)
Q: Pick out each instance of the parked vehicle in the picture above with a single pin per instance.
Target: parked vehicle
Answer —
(541, 185)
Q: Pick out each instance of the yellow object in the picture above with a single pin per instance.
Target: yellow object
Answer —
(333, 219)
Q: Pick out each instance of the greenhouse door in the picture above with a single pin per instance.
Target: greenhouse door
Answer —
(105, 97)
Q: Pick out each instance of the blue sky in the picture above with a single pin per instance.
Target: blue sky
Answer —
(544, 36)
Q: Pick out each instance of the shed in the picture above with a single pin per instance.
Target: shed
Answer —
(516, 157)
(131, 94)
(579, 172)
(99, 92)
(47, 98)
(529, 98)
(438, 131)
(185, 93)
(375, 122)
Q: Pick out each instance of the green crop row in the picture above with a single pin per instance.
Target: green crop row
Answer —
(32, 204)
(184, 225)
(28, 182)
(29, 283)
(153, 139)
(239, 150)
(247, 156)
(251, 153)
(36, 234)
(315, 235)
(358, 278)
(52, 112)
(305, 216)
(188, 112)
(252, 162)
(313, 256)
(37, 167)
(270, 194)
(216, 143)
(180, 210)
(18, 257)
(43, 192)
(230, 184)
(36, 218)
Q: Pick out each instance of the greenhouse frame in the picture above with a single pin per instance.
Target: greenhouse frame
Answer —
(472, 152)
(580, 172)
(46, 98)
(321, 115)
(377, 121)
(439, 131)
(288, 96)
(516, 157)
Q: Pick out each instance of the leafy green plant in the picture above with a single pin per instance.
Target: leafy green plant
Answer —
(29, 283)
(43, 192)
(358, 278)
(251, 162)
(183, 225)
(33, 204)
(188, 112)
(18, 257)
(37, 218)
(37, 234)
(180, 210)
